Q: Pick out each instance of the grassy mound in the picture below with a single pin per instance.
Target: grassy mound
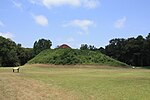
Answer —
(73, 56)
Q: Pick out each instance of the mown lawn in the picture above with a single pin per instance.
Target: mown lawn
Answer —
(64, 83)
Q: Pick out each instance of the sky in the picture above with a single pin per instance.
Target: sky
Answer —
(73, 22)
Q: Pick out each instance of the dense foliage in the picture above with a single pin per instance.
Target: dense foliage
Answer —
(41, 45)
(73, 56)
(133, 51)
(12, 54)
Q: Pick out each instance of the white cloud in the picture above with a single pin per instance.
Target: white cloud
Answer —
(53, 3)
(120, 23)
(74, 3)
(17, 4)
(7, 35)
(2, 24)
(41, 20)
(91, 3)
(82, 24)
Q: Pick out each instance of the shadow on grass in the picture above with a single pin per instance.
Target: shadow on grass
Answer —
(147, 67)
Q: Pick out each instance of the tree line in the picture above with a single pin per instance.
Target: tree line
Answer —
(132, 51)
(12, 54)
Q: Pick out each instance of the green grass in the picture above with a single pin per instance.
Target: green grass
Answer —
(74, 56)
(99, 83)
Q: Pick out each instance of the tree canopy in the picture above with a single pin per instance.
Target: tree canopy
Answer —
(12, 54)
(41, 45)
(133, 51)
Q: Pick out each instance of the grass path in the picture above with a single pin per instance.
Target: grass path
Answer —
(53, 83)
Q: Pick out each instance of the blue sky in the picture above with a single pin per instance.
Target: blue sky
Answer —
(73, 22)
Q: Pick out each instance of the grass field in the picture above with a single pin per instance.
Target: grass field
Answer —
(43, 82)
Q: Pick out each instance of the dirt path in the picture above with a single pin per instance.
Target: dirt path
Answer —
(14, 86)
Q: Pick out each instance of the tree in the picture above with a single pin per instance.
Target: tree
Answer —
(133, 51)
(41, 45)
(116, 48)
(84, 47)
(10, 59)
(146, 51)
(8, 54)
(12, 54)
(24, 54)
(92, 47)
(102, 50)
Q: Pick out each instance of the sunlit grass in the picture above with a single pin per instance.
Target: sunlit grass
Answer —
(92, 83)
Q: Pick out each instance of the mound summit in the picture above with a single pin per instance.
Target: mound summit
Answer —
(69, 56)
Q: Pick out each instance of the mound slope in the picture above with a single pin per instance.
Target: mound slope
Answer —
(74, 56)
